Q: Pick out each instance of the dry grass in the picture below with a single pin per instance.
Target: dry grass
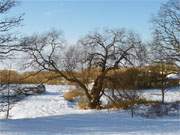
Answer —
(72, 95)
(83, 105)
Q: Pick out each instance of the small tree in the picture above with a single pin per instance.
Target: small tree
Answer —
(5, 95)
(8, 95)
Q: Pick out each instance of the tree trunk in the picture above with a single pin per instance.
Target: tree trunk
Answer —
(162, 92)
(96, 93)
(95, 101)
(132, 111)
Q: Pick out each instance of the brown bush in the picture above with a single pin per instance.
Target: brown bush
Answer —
(72, 95)
(138, 78)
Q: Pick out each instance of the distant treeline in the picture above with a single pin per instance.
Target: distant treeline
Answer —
(14, 77)
(125, 78)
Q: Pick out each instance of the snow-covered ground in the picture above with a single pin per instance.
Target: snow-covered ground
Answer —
(171, 94)
(49, 104)
(91, 123)
(50, 114)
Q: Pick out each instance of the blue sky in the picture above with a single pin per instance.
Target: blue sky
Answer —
(78, 17)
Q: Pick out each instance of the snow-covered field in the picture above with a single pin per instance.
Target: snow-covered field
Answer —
(50, 114)
(171, 94)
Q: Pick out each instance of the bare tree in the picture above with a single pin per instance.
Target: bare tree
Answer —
(166, 40)
(8, 43)
(167, 28)
(159, 59)
(101, 51)
(7, 24)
